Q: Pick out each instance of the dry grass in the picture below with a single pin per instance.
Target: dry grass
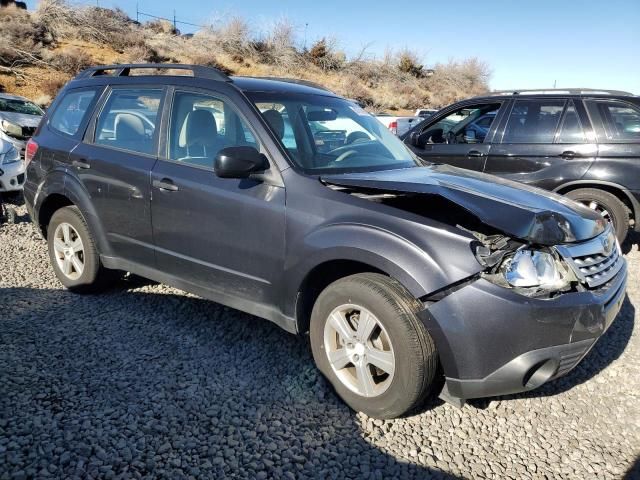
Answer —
(58, 40)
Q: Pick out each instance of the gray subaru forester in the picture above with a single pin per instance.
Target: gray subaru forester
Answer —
(283, 200)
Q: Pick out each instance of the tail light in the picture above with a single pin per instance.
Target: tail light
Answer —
(30, 151)
(393, 126)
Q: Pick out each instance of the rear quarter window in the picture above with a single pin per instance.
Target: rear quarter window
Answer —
(72, 110)
(616, 121)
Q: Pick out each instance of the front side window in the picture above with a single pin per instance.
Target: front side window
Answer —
(71, 111)
(620, 121)
(470, 124)
(201, 126)
(128, 120)
(325, 134)
(533, 121)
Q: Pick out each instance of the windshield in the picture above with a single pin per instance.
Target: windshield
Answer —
(19, 106)
(325, 134)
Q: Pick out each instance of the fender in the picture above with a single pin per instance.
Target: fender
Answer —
(617, 186)
(58, 181)
(413, 266)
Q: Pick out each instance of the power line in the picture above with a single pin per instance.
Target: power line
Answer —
(173, 20)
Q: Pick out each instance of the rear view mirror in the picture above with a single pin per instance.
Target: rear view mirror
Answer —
(325, 115)
(239, 162)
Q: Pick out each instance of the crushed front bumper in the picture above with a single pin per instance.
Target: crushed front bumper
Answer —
(494, 341)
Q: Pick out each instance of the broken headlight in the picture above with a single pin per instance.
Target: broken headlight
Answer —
(535, 268)
(10, 129)
(10, 156)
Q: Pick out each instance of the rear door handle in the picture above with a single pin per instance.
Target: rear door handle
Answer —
(165, 184)
(475, 153)
(82, 164)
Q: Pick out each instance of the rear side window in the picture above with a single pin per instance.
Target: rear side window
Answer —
(533, 121)
(72, 110)
(617, 121)
(128, 120)
(571, 130)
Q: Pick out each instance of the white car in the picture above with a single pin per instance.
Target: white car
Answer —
(12, 168)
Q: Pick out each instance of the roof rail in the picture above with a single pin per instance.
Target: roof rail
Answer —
(307, 83)
(559, 91)
(124, 70)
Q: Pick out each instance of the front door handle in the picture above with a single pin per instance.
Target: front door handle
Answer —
(165, 184)
(475, 153)
(82, 164)
(568, 154)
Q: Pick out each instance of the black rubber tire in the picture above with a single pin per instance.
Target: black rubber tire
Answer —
(94, 277)
(618, 211)
(416, 355)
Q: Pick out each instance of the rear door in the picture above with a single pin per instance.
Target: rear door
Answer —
(460, 137)
(545, 142)
(617, 125)
(115, 162)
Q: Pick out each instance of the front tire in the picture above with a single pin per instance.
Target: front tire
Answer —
(606, 204)
(368, 341)
(73, 254)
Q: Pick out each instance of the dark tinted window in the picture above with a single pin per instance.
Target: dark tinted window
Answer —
(72, 110)
(533, 121)
(470, 124)
(620, 120)
(571, 129)
(128, 120)
(201, 126)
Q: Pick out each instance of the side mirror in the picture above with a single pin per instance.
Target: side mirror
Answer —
(470, 136)
(239, 162)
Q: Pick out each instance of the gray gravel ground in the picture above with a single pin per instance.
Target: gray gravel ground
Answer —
(145, 381)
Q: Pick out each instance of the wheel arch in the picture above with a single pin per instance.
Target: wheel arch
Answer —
(623, 194)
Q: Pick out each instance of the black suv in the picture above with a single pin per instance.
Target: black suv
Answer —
(288, 202)
(584, 144)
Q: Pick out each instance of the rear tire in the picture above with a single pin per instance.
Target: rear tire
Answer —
(73, 254)
(397, 357)
(608, 205)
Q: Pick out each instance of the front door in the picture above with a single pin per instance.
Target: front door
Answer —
(115, 162)
(544, 143)
(460, 137)
(222, 235)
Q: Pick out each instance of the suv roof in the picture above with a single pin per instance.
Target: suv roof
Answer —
(576, 92)
(252, 84)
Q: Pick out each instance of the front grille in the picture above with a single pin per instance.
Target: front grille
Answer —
(594, 262)
(27, 132)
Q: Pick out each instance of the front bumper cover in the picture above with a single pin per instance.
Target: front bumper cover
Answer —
(12, 176)
(493, 341)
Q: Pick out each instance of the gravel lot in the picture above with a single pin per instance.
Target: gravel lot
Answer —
(147, 382)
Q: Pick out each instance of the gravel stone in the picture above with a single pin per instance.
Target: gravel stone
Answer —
(145, 381)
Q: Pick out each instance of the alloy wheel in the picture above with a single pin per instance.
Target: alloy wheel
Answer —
(68, 250)
(359, 350)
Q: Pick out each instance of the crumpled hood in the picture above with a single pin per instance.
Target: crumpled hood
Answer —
(21, 119)
(518, 210)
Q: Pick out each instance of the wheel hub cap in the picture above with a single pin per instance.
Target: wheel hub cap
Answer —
(68, 250)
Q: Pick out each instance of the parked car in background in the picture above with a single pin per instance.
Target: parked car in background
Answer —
(397, 271)
(425, 112)
(581, 143)
(398, 125)
(11, 168)
(19, 118)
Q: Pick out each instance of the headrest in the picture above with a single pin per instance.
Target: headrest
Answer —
(128, 126)
(199, 127)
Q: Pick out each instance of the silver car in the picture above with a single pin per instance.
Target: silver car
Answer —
(12, 168)
(19, 119)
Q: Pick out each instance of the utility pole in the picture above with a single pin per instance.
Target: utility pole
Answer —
(554, 84)
(306, 25)
(137, 13)
(174, 21)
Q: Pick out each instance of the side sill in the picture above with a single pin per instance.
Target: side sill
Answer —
(253, 308)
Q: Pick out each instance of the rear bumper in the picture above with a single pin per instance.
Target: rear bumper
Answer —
(493, 341)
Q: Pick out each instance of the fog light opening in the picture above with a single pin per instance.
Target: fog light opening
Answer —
(540, 373)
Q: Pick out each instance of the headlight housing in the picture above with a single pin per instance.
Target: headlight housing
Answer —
(10, 156)
(11, 129)
(535, 268)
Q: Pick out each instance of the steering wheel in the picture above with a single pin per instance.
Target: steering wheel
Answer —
(344, 155)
